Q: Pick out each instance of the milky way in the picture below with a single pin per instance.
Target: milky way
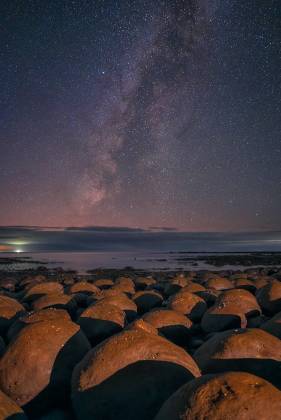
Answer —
(140, 113)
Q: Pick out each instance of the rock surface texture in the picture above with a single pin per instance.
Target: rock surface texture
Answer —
(131, 345)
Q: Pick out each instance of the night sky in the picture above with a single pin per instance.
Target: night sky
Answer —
(141, 113)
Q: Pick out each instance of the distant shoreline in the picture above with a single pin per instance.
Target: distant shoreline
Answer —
(180, 261)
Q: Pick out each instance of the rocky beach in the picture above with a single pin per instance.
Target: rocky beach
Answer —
(134, 344)
(140, 188)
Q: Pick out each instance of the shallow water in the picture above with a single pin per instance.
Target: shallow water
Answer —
(83, 261)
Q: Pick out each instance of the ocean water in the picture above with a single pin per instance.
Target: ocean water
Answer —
(144, 260)
(82, 249)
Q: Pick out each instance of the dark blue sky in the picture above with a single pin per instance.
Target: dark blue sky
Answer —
(139, 113)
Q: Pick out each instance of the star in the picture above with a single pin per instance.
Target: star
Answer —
(171, 107)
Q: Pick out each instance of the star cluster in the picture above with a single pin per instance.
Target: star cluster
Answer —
(139, 113)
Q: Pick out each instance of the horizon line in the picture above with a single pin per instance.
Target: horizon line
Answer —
(136, 229)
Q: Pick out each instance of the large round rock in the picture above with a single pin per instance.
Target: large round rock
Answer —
(38, 290)
(122, 302)
(261, 281)
(142, 283)
(193, 287)
(269, 297)
(174, 285)
(48, 314)
(218, 283)
(36, 368)
(230, 311)
(246, 284)
(84, 287)
(231, 396)
(103, 283)
(55, 300)
(129, 376)
(10, 309)
(146, 300)
(250, 350)
(189, 304)
(30, 281)
(125, 285)
(173, 325)
(100, 321)
(209, 295)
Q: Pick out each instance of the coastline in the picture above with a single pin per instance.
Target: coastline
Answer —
(157, 326)
(172, 261)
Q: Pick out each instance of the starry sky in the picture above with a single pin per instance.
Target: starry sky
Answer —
(138, 113)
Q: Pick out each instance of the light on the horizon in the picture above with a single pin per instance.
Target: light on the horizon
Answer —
(18, 242)
(18, 245)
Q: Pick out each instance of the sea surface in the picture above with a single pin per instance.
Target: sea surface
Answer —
(87, 248)
(84, 261)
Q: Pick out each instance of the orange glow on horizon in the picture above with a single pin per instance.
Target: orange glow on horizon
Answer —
(6, 248)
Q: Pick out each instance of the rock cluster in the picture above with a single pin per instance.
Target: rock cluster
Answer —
(194, 346)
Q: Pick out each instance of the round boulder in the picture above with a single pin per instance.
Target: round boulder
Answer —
(125, 285)
(30, 281)
(173, 325)
(269, 297)
(55, 300)
(244, 283)
(230, 311)
(260, 281)
(122, 302)
(142, 325)
(36, 368)
(103, 283)
(142, 283)
(193, 287)
(48, 314)
(146, 300)
(129, 376)
(105, 293)
(100, 321)
(231, 396)
(219, 283)
(84, 287)
(250, 350)
(38, 290)
(209, 295)
(175, 285)
(10, 309)
(189, 304)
